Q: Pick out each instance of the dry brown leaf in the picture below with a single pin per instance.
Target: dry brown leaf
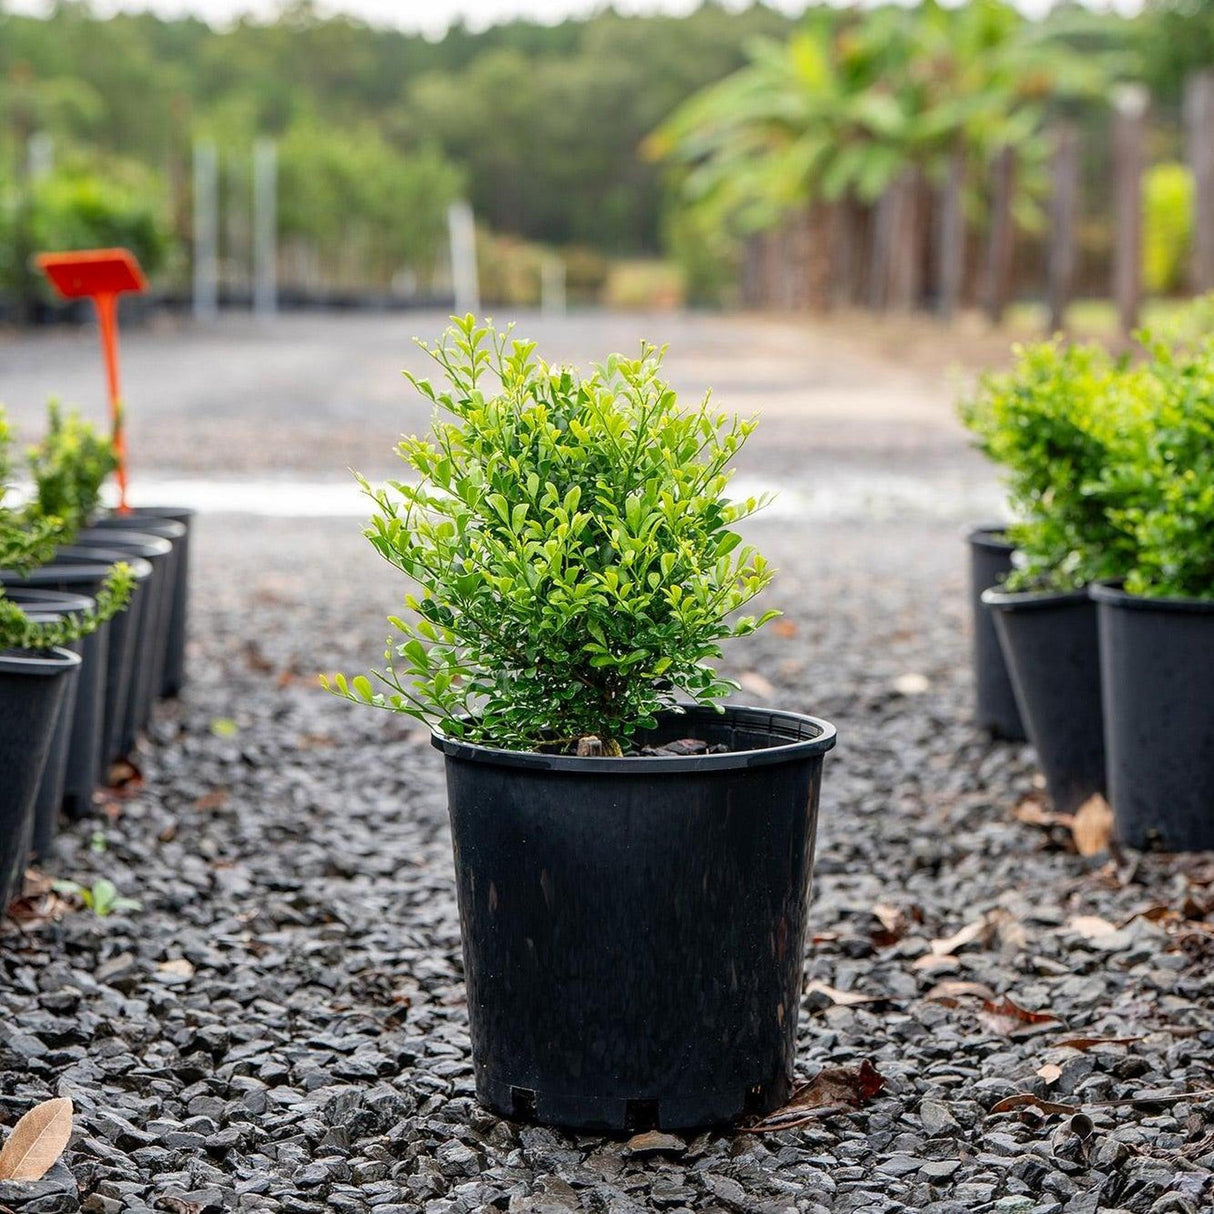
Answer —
(1091, 926)
(1051, 1072)
(37, 1141)
(895, 923)
(1008, 929)
(784, 627)
(951, 990)
(654, 1142)
(1087, 1043)
(756, 684)
(932, 964)
(1092, 828)
(217, 798)
(1032, 812)
(834, 1089)
(1153, 914)
(178, 966)
(841, 998)
(1027, 1098)
(980, 930)
(1009, 1019)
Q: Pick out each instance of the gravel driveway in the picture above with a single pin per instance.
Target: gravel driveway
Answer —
(282, 1026)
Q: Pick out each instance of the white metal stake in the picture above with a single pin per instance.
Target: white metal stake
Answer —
(265, 228)
(206, 230)
(462, 232)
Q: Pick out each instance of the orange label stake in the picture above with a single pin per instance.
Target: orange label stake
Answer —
(101, 275)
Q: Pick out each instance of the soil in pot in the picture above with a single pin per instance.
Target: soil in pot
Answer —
(174, 669)
(84, 569)
(1157, 660)
(995, 700)
(1050, 642)
(76, 746)
(32, 686)
(634, 928)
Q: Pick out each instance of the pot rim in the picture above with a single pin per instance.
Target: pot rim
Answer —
(1110, 594)
(1029, 600)
(38, 662)
(142, 543)
(84, 571)
(165, 528)
(34, 599)
(174, 514)
(988, 535)
(795, 750)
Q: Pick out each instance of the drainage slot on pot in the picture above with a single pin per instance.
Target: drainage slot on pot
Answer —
(522, 1103)
(640, 1115)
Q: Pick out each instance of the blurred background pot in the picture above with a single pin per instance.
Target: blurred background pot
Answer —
(1050, 644)
(990, 561)
(74, 757)
(1157, 659)
(32, 687)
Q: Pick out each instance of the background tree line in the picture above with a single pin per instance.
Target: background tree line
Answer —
(543, 128)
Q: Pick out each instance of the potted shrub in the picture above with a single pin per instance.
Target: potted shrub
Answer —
(35, 671)
(632, 859)
(1157, 628)
(1055, 425)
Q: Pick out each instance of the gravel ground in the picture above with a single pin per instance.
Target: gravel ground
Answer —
(282, 1025)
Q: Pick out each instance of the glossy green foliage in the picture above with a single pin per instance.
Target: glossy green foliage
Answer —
(573, 547)
(69, 466)
(1062, 425)
(29, 534)
(1169, 485)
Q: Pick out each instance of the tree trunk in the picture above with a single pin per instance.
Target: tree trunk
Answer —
(1001, 238)
(1130, 106)
(1064, 202)
(1199, 131)
(950, 248)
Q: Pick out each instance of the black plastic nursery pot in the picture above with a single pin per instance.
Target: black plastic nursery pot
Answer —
(634, 929)
(76, 744)
(174, 668)
(84, 569)
(1053, 653)
(995, 700)
(32, 686)
(177, 533)
(1157, 661)
(152, 623)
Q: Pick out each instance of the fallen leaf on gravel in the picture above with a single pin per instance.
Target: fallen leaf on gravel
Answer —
(654, 1142)
(1153, 914)
(895, 923)
(932, 964)
(1032, 812)
(1027, 1098)
(753, 681)
(1087, 1043)
(123, 776)
(834, 1089)
(1008, 930)
(841, 998)
(784, 627)
(217, 798)
(912, 684)
(1092, 828)
(1009, 1019)
(980, 930)
(37, 1141)
(1051, 1072)
(179, 967)
(950, 991)
(1091, 926)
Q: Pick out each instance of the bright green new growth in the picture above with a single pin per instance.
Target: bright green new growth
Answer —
(573, 548)
(67, 467)
(1061, 425)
